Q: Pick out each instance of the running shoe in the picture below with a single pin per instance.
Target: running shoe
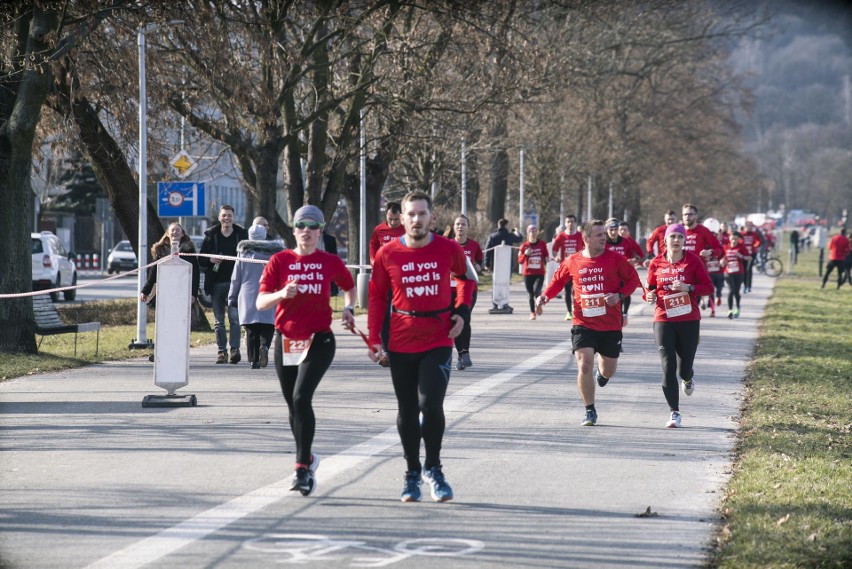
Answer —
(591, 419)
(304, 479)
(623, 320)
(459, 364)
(441, 491)
(599, 378)
(264, 356)
(532, 315)
(731, 314)
(688, 386)
(465, 358)
(411, 490)
(568, 316)
(703, 304)
(719, 301)
(712, 312)
(674, 421)
(222, 357)
(737, 313)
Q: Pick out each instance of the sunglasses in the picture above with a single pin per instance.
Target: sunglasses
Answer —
(307, 225)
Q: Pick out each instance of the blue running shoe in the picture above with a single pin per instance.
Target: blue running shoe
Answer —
(411, 491)
(590, 420)
(441, 491)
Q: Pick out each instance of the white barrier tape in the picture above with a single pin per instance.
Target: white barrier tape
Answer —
(136, 270)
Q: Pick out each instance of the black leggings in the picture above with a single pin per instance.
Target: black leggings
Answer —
(568, 291)
(734, 281)
(677, 343)
(841, 272)
(718, 284)
(298, 384)
(625, 305)
(462, 341)
(533, 284)
(749, 270)
(420, 382)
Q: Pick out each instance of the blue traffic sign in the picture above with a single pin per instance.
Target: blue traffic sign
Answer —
(180, 199)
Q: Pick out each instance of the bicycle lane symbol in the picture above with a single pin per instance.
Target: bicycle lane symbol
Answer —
(297, 548)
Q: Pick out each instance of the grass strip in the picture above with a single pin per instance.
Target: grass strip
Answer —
(789, 503)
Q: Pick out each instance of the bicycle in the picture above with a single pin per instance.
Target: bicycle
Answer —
(769, 266)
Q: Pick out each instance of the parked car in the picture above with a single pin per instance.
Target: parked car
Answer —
(121, 258)
(53, 266)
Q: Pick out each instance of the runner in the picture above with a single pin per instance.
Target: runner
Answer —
(415, 271)
(713, 264)
(533, 257)
(385, 232)
(699, 239)
(752, 239)
(623, 246)
(297, 282)
(601, 280)
(676, 280)
(838, 250)
(473, 251)
(734, 260)
(566, 244)
(657, 238)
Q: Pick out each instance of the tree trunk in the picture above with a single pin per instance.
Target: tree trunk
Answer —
(20, 108)
(496, 203)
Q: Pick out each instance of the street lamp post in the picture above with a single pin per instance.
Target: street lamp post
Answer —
(141, 341)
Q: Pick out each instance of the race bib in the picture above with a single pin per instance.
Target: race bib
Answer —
(593, 305)
(733, 268)
(534, 263)
(713, 266)
(294, 352)
(677, 304)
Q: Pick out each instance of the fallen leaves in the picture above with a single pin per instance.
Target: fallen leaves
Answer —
(646, 514)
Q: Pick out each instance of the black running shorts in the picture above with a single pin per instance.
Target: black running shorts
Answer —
(606, 343)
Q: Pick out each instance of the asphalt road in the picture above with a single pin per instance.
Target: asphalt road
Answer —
(89, 478)
(101, 287)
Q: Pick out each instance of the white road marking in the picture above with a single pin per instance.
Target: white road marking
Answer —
(205, 523)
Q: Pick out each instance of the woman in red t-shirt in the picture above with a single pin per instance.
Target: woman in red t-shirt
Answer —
(297, 282)
(533, 258)
(676, 280)
(473, 252)
(734, 260)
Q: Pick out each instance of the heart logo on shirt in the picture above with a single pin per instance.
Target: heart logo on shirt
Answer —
(303, 288)
(419, 290)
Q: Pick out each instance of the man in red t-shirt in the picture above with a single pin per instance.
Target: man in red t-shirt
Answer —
(602, 279)
(838, 249)
(566, 244)
(752, 239)
(388, 230)
(414, 271)
(657, 237)
(385, 232)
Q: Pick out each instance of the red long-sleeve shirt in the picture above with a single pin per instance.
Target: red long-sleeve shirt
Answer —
(593, 278)
(677, 306)
(382, 235)
(534, 263)
(565, 245)
(419, 280)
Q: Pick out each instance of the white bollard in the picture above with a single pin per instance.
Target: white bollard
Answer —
(171, 353)
(502, 276)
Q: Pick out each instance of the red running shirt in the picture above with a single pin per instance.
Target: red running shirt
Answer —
(751, 240)
(565, 245)
(309, 311)
(734, 258)
(473, 252)
(699, 238)
(677, 306)
(536, 262)
(420, 282)
(382, 235)
(592, 278)
(657, 236)
(625, 246)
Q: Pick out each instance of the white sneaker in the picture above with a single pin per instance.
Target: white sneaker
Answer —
(688, 386)
(674, 421)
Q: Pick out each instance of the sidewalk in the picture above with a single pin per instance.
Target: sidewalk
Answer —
(90, 478)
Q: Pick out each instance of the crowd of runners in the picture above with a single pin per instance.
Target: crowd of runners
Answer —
(423, 287)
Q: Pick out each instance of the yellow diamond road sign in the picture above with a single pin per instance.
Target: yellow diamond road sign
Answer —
(183, 164)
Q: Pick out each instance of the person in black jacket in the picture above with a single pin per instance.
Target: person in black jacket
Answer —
(501, 235)
(222, 239)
